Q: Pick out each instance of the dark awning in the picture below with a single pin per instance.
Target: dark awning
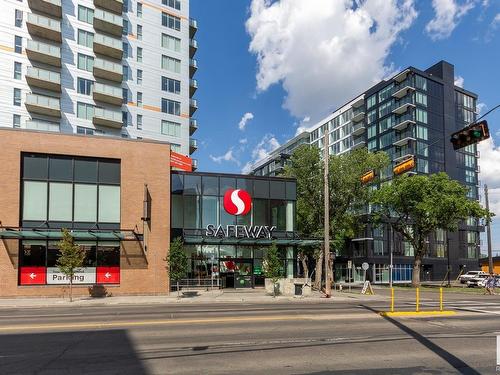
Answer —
(80, 235)
(199, 240)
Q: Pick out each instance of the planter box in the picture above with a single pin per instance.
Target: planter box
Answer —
(287, 287)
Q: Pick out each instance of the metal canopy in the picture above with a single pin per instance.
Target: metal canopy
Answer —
(81, 235)
(199, 240)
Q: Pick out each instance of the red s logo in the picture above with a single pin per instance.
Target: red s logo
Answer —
(237, 202)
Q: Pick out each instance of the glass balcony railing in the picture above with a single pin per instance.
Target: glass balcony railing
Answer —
(101, 88)
(358, 111)
(44, 75)
(108, 115)
(193, 23)
(193, 43)
(108, 41)
(108, 65)
(108, 17)
(44, 48)
(404, 135)
(193, 103)
(193, 83)
(193, 143)
(358, 142)
(358, 128)
(400, 106)
(195, 163)
(193, 63)
(43, 125)
(402, 153)
(43, 101)
(45, 22)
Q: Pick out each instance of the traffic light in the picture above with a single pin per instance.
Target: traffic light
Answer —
(473, 133)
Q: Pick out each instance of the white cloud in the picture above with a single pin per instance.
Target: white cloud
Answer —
(228, 156)
(448, 14)
(319, 50)
(490, 171)
(267, 144)
(243, 122)
(243, 141)
(459, 81)
(480, 107)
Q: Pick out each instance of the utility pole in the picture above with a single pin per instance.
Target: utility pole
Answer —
(326, 156)
(488, 231)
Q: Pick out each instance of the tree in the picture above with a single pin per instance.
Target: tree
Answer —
(273, 266)
(70, 259)
(177, 261)
(415, 206)
(347, 194)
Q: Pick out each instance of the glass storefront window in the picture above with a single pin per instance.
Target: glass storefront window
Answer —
(277, 190)
(85, 170)
(60, 201)
(192, 212)
(52, 254)
(108, 254)
(227, 251)
(245, 184)
(90, 249)
(85, 203)
(210, 185)
(210, 210)
(225, 218)
(33, 253)
(35, 167)
(109, 172)
(260, 212)
(60, 169)
(177, 183)
(109, 204)
(244, 252)
(35, 200)
(177, 211)
(278, 214)
(261, 189)
(226, 183)
(192, 185)
(291, 191)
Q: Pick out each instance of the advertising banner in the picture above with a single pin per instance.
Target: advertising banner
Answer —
(32, 276)
(108, 275)
(180, 161)
(85, 275)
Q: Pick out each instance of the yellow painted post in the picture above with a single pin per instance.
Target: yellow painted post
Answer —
(392, 299)
(440, 299)
(418, 300)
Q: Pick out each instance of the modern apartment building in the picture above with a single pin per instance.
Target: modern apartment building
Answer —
(410, 115)
(111, 67)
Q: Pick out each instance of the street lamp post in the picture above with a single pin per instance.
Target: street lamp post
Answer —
(326, 156)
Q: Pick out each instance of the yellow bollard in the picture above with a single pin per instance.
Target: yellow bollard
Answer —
(440, 299)
(392, 299)
(418, 300)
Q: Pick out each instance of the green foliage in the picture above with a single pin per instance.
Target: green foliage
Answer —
(177, 260)
(71, 257)
(273, 266)
(418, 205)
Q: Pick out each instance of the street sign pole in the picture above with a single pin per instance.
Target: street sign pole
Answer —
(326, 156)
(391, 248)
(488, 231)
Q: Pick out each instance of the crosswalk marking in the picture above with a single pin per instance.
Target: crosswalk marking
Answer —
(465, 305)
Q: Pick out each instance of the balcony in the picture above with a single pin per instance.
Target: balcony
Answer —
(107, 94)
(44, 79)
(358, 102)
(193, 86)
(358, 114)
(108, 70)
(49, 7)
(358, 129)
(47, 126)
(193, 106)
(193, 47)
(115, 6)
(404, 121)
(403, 138)
(43, 105)
(402, 76)
(402, 154)
(108, 22)
(194, 164)
(193, 27)
(107, 117)
(401, 106)
(193, 67)
(108, 46)
(44, 27)
(403, 89)
(193, 126)
(43, 52)
(193, 145)
(358, 142)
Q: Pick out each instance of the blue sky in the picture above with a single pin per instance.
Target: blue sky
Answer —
(288, 63)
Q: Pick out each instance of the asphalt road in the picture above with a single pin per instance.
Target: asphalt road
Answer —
(272, 338)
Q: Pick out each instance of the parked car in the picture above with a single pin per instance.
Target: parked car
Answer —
(477, 281)
(470, 275)
(482, 282)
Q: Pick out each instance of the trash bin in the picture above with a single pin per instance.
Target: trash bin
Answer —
(298, 289)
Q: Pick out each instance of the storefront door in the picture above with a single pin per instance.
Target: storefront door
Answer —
(236, 273)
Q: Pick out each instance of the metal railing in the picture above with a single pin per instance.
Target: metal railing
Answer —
(193, 103)
(194, 83)
(108, 17)
(193, 23)
(410, 133)
(357, 127)
(193, 143)
(108, 41)
(193, 43)
(43, 101)
(42, 74)
(46, 49)
(42, 125)
(46, 22)
(101, 88)
(108, 114)
(108, 65)
(193, 63)
(358, 111)
(196, 284)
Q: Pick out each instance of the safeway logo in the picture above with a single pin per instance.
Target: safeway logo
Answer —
(237, 202)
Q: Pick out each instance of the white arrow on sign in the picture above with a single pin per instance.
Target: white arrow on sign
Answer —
(107, 275)
(32, 275)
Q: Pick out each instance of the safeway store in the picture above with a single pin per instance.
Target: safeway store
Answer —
(97, 188)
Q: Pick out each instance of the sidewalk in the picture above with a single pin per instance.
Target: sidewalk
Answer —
(208, 297)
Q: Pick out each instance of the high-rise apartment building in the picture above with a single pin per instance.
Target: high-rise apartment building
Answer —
(413, 114)
(111, 67)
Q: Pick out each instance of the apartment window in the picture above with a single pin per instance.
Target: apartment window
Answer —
(372, 116)
(85, 38)
(17, 97)
(421, 83)
(18, 44)
(19, 18)
(139, 10)
(171, 22)
(470, 176)
(125, 6)
(422, 132)
(139, 54)
(372, 145)
(125, 118)
(176, 4)
(84, 111)
(171, 43)
(386, 140)
(84, 86)
(171, 64)
(175, 147)
(372, 131)
(470, 161)
(421, 99)
(171, 128)
(125, 95)
(421, 116)
(85, 14)
(378, 247)
(82, 130)
(125, 72)
(422, 165)
(139, 76)
(171, 85)
(422, 149)
(85, 62)
(170, 106)
(139, 99)
(139, 32)
(125, 50)
(17, 70)
(125, 27)
(386, 124)
(384, 109)
(139, 122)
(371, 101)
(385, 93)
(16, 121)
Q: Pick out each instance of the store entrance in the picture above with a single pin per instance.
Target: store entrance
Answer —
(236, 272)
